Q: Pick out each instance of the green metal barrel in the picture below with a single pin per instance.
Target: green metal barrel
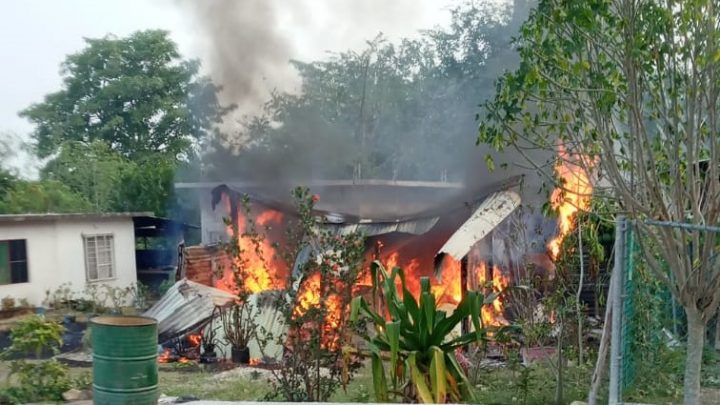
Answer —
(125, 370)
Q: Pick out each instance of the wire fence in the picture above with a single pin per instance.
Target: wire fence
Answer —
(629, 305)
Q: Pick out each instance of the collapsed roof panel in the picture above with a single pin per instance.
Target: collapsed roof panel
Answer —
(187, 305)
(489, 214)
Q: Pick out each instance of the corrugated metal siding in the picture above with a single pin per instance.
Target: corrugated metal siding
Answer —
(413, 227)
(186, 306)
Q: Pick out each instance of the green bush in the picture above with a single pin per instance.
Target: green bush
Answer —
(35, 381)
(34, 334)
(43, 381)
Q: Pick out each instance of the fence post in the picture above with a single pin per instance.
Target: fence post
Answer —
(614, 395)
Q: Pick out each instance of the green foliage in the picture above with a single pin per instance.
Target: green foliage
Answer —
(165, 286)
(131, 112)
(35, 381)
(417, 340)
(136, 94)
(629, 90)
(141, 296)
(108, 181)
(34, 334)
(60, 298)
(23, 196)
(42, 381)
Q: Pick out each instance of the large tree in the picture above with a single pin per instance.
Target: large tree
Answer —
(394, 110)
(136, 94)
(18, 195)
(92, 170)
(628, 90)
(27, 196)
(131, 112)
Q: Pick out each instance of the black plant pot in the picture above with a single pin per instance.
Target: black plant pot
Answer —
(240, 355)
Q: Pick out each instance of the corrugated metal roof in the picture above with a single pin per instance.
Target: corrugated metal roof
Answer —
(491, 212)
(413, 227)
(186, 306)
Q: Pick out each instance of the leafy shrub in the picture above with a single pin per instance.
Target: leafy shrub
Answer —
(34, 334)
(165, 286)
(35, 381)
(43, 381)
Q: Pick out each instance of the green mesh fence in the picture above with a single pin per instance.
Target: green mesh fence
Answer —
(628, 326)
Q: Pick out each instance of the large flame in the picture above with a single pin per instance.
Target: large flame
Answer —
(309, 296)
(262, 269)
(492, 315)
(446, 290)
(572, 197)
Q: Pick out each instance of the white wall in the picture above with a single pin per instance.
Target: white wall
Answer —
(212, 222)
(55, 254)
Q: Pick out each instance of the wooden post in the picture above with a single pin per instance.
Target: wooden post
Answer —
(465, 325)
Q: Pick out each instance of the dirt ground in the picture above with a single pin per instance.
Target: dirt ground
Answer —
(710, 396)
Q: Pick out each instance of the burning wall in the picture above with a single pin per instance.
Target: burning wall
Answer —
(490, 266)
(264, 269)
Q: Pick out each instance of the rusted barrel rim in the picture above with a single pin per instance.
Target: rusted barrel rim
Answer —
(123, 321)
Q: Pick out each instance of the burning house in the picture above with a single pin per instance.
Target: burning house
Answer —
(483, 237)
(462, 239)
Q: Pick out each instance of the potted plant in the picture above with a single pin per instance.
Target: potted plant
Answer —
(240, 328)
(209, 342)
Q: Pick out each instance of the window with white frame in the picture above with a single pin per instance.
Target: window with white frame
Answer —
(99, 257)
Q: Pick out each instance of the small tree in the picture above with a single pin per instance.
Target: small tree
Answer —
(629, 90)
(313, 304)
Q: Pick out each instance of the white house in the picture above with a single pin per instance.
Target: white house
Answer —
(41, 252)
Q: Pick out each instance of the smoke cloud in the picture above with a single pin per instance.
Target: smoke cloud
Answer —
(247, 52)
(248, 44)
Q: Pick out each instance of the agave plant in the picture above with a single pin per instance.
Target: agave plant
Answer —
(416, 340)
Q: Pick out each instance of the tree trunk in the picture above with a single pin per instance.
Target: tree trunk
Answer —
(717, 332)
(693, 362)
(599, 372)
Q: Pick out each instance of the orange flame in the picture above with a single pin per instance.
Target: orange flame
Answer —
(569, 199)
(261, 269)
(195, 339)
(446, 290)
(309, 297)
(492, 315)
(165, 357)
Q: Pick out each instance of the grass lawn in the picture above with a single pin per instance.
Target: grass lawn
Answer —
(178, 381)
(503, 386)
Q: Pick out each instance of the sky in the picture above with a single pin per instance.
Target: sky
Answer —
(36, 35)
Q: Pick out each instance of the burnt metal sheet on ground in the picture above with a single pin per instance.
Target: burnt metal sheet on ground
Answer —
(186, 306)
(489, 214)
